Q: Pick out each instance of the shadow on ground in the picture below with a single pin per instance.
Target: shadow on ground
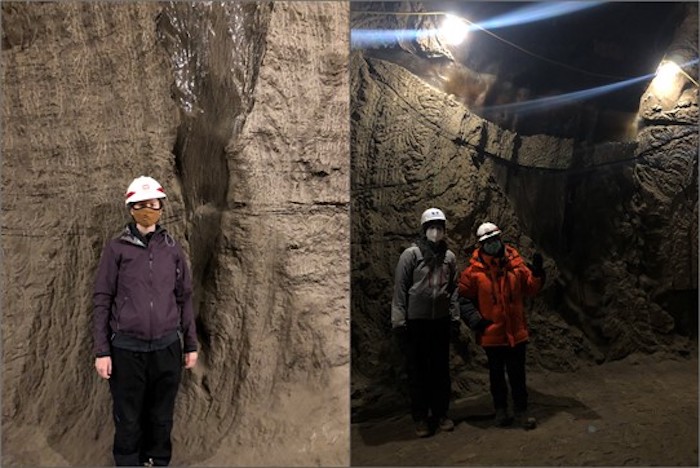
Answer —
(476, 411)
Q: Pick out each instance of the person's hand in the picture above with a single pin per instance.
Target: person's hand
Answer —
(482, 325)
(190, 359)
(104, 366)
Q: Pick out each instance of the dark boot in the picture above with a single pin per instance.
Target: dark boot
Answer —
(502, 419)
(525, 420)
(446, 424)
(422, 428)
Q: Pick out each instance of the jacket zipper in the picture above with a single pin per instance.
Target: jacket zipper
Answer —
(500, 283)
(150, 284)
(439, 275)
(503, 293)
(432, 288)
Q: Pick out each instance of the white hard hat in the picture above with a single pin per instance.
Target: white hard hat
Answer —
(143, 188)
(487, 230)
(432, 214)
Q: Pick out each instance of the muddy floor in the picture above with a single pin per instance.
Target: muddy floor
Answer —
(640, 411)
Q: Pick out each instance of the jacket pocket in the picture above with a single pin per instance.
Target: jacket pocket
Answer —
(128, 320)
(120, 311)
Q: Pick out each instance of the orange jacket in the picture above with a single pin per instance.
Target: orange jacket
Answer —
(498, 286)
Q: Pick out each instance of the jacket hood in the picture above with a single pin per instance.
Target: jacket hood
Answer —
(131, 235)
(433, 252)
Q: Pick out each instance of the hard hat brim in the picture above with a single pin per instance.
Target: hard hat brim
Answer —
(147, 195)
(489, 235)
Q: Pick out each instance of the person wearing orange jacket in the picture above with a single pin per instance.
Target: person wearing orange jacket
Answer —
(496, 281)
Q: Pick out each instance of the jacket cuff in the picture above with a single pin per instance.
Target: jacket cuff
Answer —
(190, 349)
(103, 354)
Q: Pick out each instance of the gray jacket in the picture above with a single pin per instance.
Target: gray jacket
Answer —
(422, 294)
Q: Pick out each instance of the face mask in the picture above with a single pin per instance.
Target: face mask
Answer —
(492, 247)
(146, 217)
(434, 234)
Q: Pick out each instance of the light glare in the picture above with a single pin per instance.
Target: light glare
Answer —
(667, 79)
(454, 30)
(667, 70)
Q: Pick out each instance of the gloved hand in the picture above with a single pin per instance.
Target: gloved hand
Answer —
(482, 325)
(454, 329)
(468, 312)
(537, 265)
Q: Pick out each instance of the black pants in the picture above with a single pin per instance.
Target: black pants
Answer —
(428, 366)
(144, 386)
(504, 359)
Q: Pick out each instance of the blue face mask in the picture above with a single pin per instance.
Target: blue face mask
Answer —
(492, 246)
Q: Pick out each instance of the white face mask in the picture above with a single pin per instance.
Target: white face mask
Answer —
(435, 234)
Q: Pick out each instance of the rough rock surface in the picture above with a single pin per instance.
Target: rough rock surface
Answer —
(617, 223)
(91, 100)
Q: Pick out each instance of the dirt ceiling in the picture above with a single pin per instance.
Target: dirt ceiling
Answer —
(617, 39)
(547, 58)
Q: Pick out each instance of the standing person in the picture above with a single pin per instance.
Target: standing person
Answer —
(424, 313)
(142, 310)
(497, 280)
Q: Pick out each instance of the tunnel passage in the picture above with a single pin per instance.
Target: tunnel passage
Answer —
(602, 208)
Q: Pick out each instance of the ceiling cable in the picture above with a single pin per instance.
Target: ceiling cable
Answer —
(546, 59)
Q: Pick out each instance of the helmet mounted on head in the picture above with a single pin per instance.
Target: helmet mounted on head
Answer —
(486, 231)
(432, 214)
(143, 188)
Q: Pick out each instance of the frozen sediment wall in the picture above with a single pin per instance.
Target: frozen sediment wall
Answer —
(415, 147)
(245, 126)
(617, 223)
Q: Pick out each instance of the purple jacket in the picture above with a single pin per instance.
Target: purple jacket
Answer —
(142, 291)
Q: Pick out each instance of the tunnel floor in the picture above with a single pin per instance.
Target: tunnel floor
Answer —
(642, 410)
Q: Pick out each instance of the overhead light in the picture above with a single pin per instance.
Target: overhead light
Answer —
(453, 30)
(667, 72)
(669, 80)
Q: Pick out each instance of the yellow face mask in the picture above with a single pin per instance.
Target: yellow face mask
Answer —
(146, 217)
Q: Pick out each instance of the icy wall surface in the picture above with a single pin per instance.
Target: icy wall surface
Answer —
(617, 223)
(240, 111)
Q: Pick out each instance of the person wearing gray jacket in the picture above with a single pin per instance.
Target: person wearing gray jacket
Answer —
(424, 314)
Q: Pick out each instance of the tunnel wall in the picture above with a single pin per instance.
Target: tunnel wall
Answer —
(414, 147)
(260, 203)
